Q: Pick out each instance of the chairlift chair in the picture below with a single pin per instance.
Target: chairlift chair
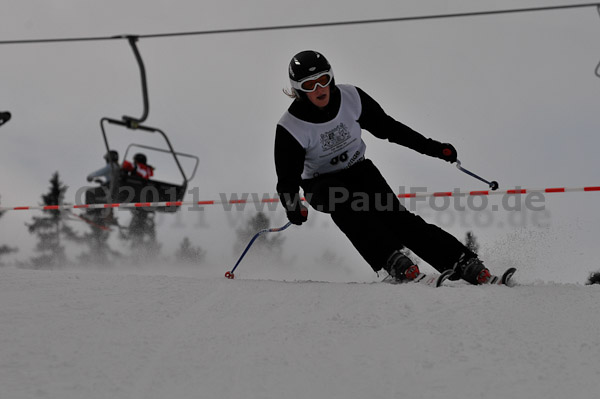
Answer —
(134, 189)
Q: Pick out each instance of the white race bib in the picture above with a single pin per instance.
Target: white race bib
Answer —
(333, 145)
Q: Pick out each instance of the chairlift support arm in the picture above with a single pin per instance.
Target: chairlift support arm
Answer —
(136, 123)
(130, 121)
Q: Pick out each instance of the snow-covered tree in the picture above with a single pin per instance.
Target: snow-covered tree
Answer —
(96, 238)
(142, 236)
(266, 244)
(5, 249)
(50, 228)
(189, 254)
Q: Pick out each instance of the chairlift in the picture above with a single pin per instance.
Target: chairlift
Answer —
(134, 189)
(131, 188)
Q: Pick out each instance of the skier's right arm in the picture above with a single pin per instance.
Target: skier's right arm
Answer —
(289, 164)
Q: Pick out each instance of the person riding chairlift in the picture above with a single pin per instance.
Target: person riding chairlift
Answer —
(108, 171)
(139, 167)
(108, 187)
(107, 191)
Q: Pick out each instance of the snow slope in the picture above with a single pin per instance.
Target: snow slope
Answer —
(73, 334)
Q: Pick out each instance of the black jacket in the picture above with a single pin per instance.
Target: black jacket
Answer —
(289, 154)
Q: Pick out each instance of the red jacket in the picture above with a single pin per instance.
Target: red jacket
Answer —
(142, 170)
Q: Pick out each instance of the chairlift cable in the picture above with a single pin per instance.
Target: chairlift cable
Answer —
(304, 26)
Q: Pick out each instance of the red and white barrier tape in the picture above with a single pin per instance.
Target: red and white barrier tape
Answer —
(499, 192)
(272, 200)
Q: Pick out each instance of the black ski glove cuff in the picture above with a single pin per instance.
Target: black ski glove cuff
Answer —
(295, 211)
(298, 216)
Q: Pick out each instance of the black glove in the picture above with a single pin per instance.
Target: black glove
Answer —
(298, 215)
(447, 152)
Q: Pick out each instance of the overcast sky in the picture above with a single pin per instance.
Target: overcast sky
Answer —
(515, 94)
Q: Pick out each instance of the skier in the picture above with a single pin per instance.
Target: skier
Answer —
(107, 191)
(318, 147)
(109, 171)
(109, 186)
(140, 167)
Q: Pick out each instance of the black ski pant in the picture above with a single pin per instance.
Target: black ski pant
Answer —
(365, 208)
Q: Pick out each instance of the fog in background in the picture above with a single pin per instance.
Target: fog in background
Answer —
(515, 94)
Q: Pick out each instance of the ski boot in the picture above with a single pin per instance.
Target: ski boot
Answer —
(471, 270)
(401, 268)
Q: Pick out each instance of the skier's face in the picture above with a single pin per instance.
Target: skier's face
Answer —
(320, 97)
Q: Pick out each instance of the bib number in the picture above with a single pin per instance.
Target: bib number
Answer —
(340, 158)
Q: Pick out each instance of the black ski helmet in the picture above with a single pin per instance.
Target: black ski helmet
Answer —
(111, 156)
(306, 64)
(139, 158)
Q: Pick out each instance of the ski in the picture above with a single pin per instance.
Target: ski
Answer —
(445, 275)
(90, 222)
(432, 280)
(438, 279)
(504, 279)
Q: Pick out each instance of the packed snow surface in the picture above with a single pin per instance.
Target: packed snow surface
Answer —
(83, 334)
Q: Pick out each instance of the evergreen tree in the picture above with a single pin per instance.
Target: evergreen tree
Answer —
(5, 249)
(142, 236)
(471, 242)
(266, 244)
(189, 254)
(96, 239)
(50, 227)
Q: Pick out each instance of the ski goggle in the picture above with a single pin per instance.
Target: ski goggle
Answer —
(310, 84)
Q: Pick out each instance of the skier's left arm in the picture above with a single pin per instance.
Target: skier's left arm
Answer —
(374, 119)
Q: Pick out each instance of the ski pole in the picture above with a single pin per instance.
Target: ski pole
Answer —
(230, 274)
(493, 184)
